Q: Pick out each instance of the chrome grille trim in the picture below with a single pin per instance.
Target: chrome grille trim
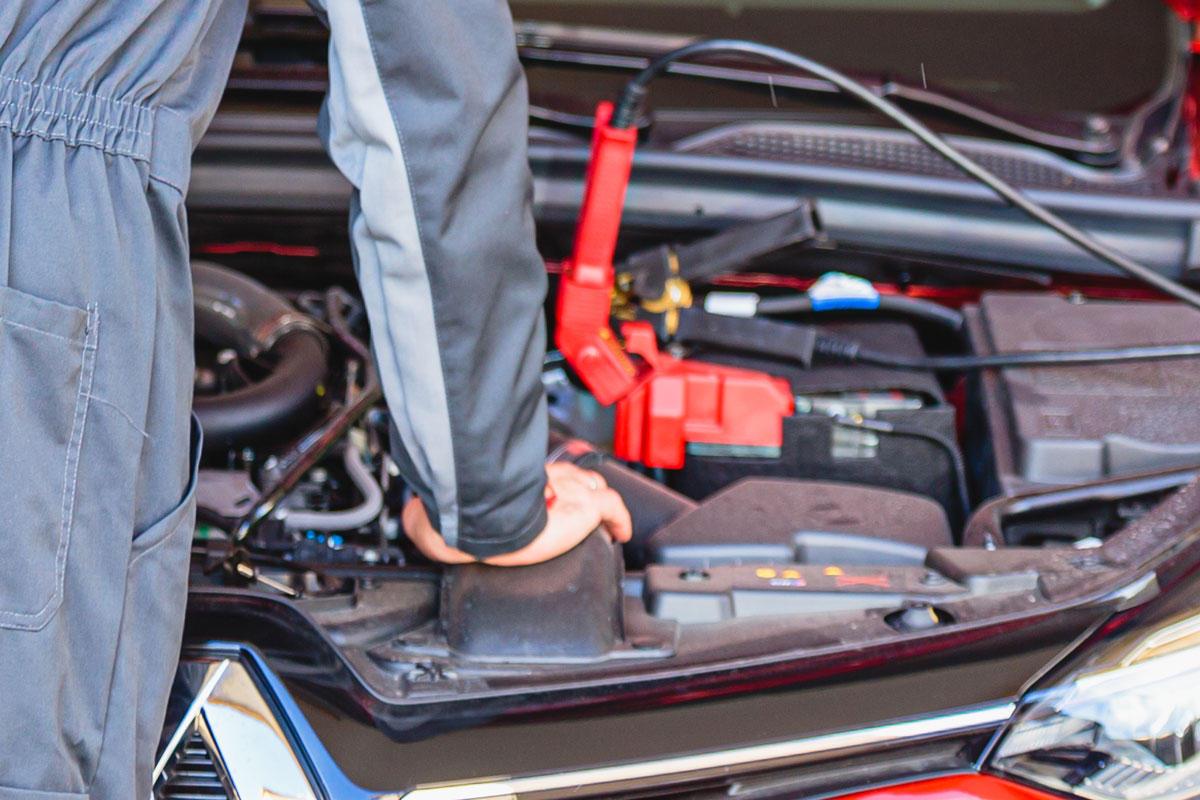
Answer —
(662, 773)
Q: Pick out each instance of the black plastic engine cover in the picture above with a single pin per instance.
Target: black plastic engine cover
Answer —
(565, 608)
(761, 521)
(1062, 425)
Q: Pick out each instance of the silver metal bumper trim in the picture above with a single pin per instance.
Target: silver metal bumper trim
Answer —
(603, 781)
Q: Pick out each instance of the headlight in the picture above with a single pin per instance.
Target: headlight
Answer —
(1122, 725)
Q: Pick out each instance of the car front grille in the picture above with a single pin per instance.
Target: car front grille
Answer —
(192, 774)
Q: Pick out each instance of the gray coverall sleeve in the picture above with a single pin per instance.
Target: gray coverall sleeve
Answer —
(427, 117)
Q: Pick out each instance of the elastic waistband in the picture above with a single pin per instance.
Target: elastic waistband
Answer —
(155, 135)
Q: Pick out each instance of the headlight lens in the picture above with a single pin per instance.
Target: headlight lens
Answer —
(1124, 725)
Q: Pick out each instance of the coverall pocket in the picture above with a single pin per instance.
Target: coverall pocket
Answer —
(47, 360)
(151, 632)
(182, 515)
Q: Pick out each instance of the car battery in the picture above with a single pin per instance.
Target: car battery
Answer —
(1071, 424)
(815, 447)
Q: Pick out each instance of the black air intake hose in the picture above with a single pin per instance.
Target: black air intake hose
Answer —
(235, 312)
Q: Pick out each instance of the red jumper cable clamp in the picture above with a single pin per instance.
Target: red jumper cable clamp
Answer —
(662, 402)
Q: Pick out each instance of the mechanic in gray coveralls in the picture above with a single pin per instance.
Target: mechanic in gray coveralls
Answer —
(101, 104)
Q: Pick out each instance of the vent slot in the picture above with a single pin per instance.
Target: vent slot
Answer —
(192, 774)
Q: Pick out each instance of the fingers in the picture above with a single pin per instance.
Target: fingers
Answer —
(564, 470)
(614, 516)
(590, 490)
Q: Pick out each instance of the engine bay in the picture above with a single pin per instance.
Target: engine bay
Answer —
(833, 457)
(901, 503)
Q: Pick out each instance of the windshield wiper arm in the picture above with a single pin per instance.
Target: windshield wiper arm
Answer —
(612, 48)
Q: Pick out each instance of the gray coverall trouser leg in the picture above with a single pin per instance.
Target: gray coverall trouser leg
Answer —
(101, 103)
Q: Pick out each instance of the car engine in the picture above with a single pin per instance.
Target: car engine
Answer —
(879, 505)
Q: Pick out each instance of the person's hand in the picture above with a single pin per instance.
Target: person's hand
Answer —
(582, 502)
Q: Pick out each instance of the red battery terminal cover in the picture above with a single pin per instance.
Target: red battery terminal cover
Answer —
(662, 402)
(694, 401)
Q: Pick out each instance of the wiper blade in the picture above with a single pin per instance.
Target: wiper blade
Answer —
(632, 51)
